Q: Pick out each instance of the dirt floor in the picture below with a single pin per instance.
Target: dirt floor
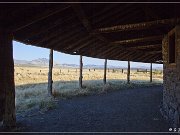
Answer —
(134, 110)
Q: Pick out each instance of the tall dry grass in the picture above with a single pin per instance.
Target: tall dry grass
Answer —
(31, 84)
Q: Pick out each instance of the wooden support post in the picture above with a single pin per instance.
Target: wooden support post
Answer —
(105, 67)
(50, 81)
(151, 72)
(7, 85)
(128, 73)
(80, 72)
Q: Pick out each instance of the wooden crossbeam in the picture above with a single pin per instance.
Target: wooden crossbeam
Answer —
(83, 18)
(136, 40)
(36, 18)
(138, 26)
(145, 46)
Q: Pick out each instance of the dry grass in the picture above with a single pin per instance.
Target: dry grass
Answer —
(31, 84)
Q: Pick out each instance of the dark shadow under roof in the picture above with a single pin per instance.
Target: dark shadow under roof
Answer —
(126, 31)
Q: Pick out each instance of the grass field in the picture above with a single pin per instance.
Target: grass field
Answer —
(31, 84)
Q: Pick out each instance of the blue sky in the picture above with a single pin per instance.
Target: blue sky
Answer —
(28, 52)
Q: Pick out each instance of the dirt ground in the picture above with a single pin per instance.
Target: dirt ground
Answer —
(133, 110)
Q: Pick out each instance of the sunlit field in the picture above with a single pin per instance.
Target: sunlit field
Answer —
(31, 84)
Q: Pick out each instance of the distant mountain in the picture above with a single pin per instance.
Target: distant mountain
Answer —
(43, 62)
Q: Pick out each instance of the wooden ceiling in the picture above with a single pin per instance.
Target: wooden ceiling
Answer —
(117, 31)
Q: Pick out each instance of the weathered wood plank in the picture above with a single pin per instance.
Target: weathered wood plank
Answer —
(136, 40)
(50, 81)
(138, 26)
(83, 18)
(145, 46)
(80, 72)
(128, 73)
(7, 85)
(151, 72)
(105, 70)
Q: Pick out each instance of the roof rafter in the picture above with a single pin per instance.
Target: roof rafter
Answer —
(136, 40)
(83, 18)
(138, 26)
(145, 46)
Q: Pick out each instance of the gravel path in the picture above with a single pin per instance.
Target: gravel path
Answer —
(126, 110)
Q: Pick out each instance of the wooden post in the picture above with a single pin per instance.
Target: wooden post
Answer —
(7, 85)
(105, 67)
(151, 72)
(128, 73)
(50, 81)
(80, 72)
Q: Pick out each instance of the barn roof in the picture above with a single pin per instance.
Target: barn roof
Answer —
(117, 31)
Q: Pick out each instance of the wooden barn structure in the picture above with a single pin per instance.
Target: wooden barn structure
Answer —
(139, 32)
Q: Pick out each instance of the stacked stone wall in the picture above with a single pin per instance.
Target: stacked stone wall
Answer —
(171, 91)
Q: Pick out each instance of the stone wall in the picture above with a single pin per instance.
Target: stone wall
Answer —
(171, 92)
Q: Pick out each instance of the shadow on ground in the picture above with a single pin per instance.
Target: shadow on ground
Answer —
(132, 110)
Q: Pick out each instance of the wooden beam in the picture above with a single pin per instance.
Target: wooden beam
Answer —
(50, 81)
(145, 46)
(7, 85)
(38, 17)
(136, 40)
(128, 73)
(80, 72)
(138, 26)
(151, 72)
(105, 70)
(83, 18)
